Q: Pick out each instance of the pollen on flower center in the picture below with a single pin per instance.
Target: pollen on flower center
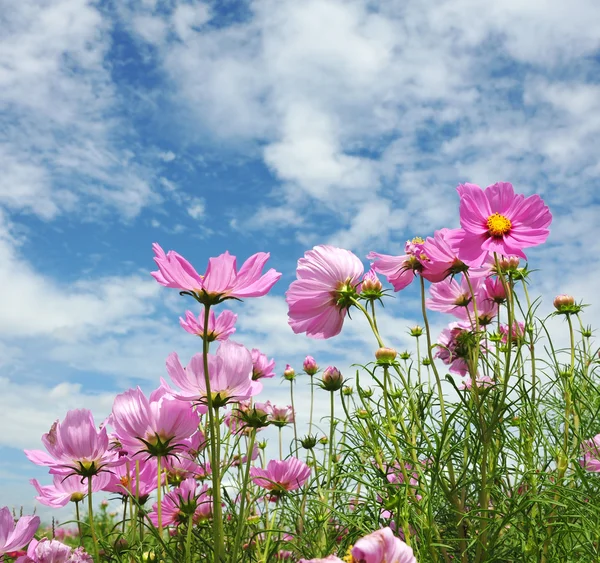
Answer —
(498, 225)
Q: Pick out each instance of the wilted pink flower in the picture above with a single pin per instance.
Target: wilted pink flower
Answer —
(158, 425)
(262, 367)
(382, 547)
(591, 454)
(281, 476)
(221, 281)
(497, 220)
(66, 489)
(319, 299)
(310, 366)
(518, 331)
(230, 375)
(75, 445)
(482, 381)
(453, 349)
(15, 535)
(220, 328)
(395, 475)
(400, 270)
(123, 478)
(188, 499)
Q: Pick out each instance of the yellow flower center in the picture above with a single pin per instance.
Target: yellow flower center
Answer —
(498, 225)
(348, 557)
(418, 240)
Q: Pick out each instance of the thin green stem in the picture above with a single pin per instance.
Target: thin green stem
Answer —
(188, 539)
(241, 523)
(91, 518)
(77, 515)
(215, 454)
(159, 494)
(294, 416)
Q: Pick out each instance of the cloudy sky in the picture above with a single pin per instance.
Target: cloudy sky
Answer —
(266, 125)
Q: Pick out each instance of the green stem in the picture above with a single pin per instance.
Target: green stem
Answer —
(188, 539)
(280, 445)
(78, 522)
(241, 523)
(312, 402)
(331, 431)
(159, 495)
(213, 441)
(91, 518)
(294, 415)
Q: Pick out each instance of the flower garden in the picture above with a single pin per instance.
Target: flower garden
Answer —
(480, 445)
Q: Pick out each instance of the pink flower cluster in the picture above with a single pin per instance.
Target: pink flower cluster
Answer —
(495, 224)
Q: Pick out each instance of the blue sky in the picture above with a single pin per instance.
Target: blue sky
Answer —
(271, 125)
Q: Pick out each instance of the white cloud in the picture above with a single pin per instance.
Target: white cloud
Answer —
(59, 147)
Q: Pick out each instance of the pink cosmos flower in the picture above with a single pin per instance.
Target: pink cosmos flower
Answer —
(400, 270)
(219, 328)
(442, 256)
(221, 281)
(66, 489)
(75, 445)
(188, 499)
(518, 331)
(262, 366)
(591, 454)
(453, 350)
(382, 547)
(328, 559)
(395, 475)
(123, 478)
(321, 296)
(497, 220)
(281, 476)
(13, 536)
(281, 416)
(230, 375)
(482, 381)
(53, 551)
(451, 296)
(494, 290)
(158, 425)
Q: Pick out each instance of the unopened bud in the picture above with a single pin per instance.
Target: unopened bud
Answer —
(347, 390)
(289, 373)
(308, 442)
(323, 440)
(405, 355)
(332, 379)
(310, 366)
(416, 331)
(371, 286)
(385, 356)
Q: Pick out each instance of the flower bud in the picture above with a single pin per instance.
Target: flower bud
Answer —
(347, 391)
(563, 301)
(426, 362)
(416, 331)
(363, 413)
(308, 442)
(385, 356)
(509, 263)
(289, 374)
(323, 440)
(405, 355)
(310, 366)
(332, 379)
(366, 393)
(371, 286)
